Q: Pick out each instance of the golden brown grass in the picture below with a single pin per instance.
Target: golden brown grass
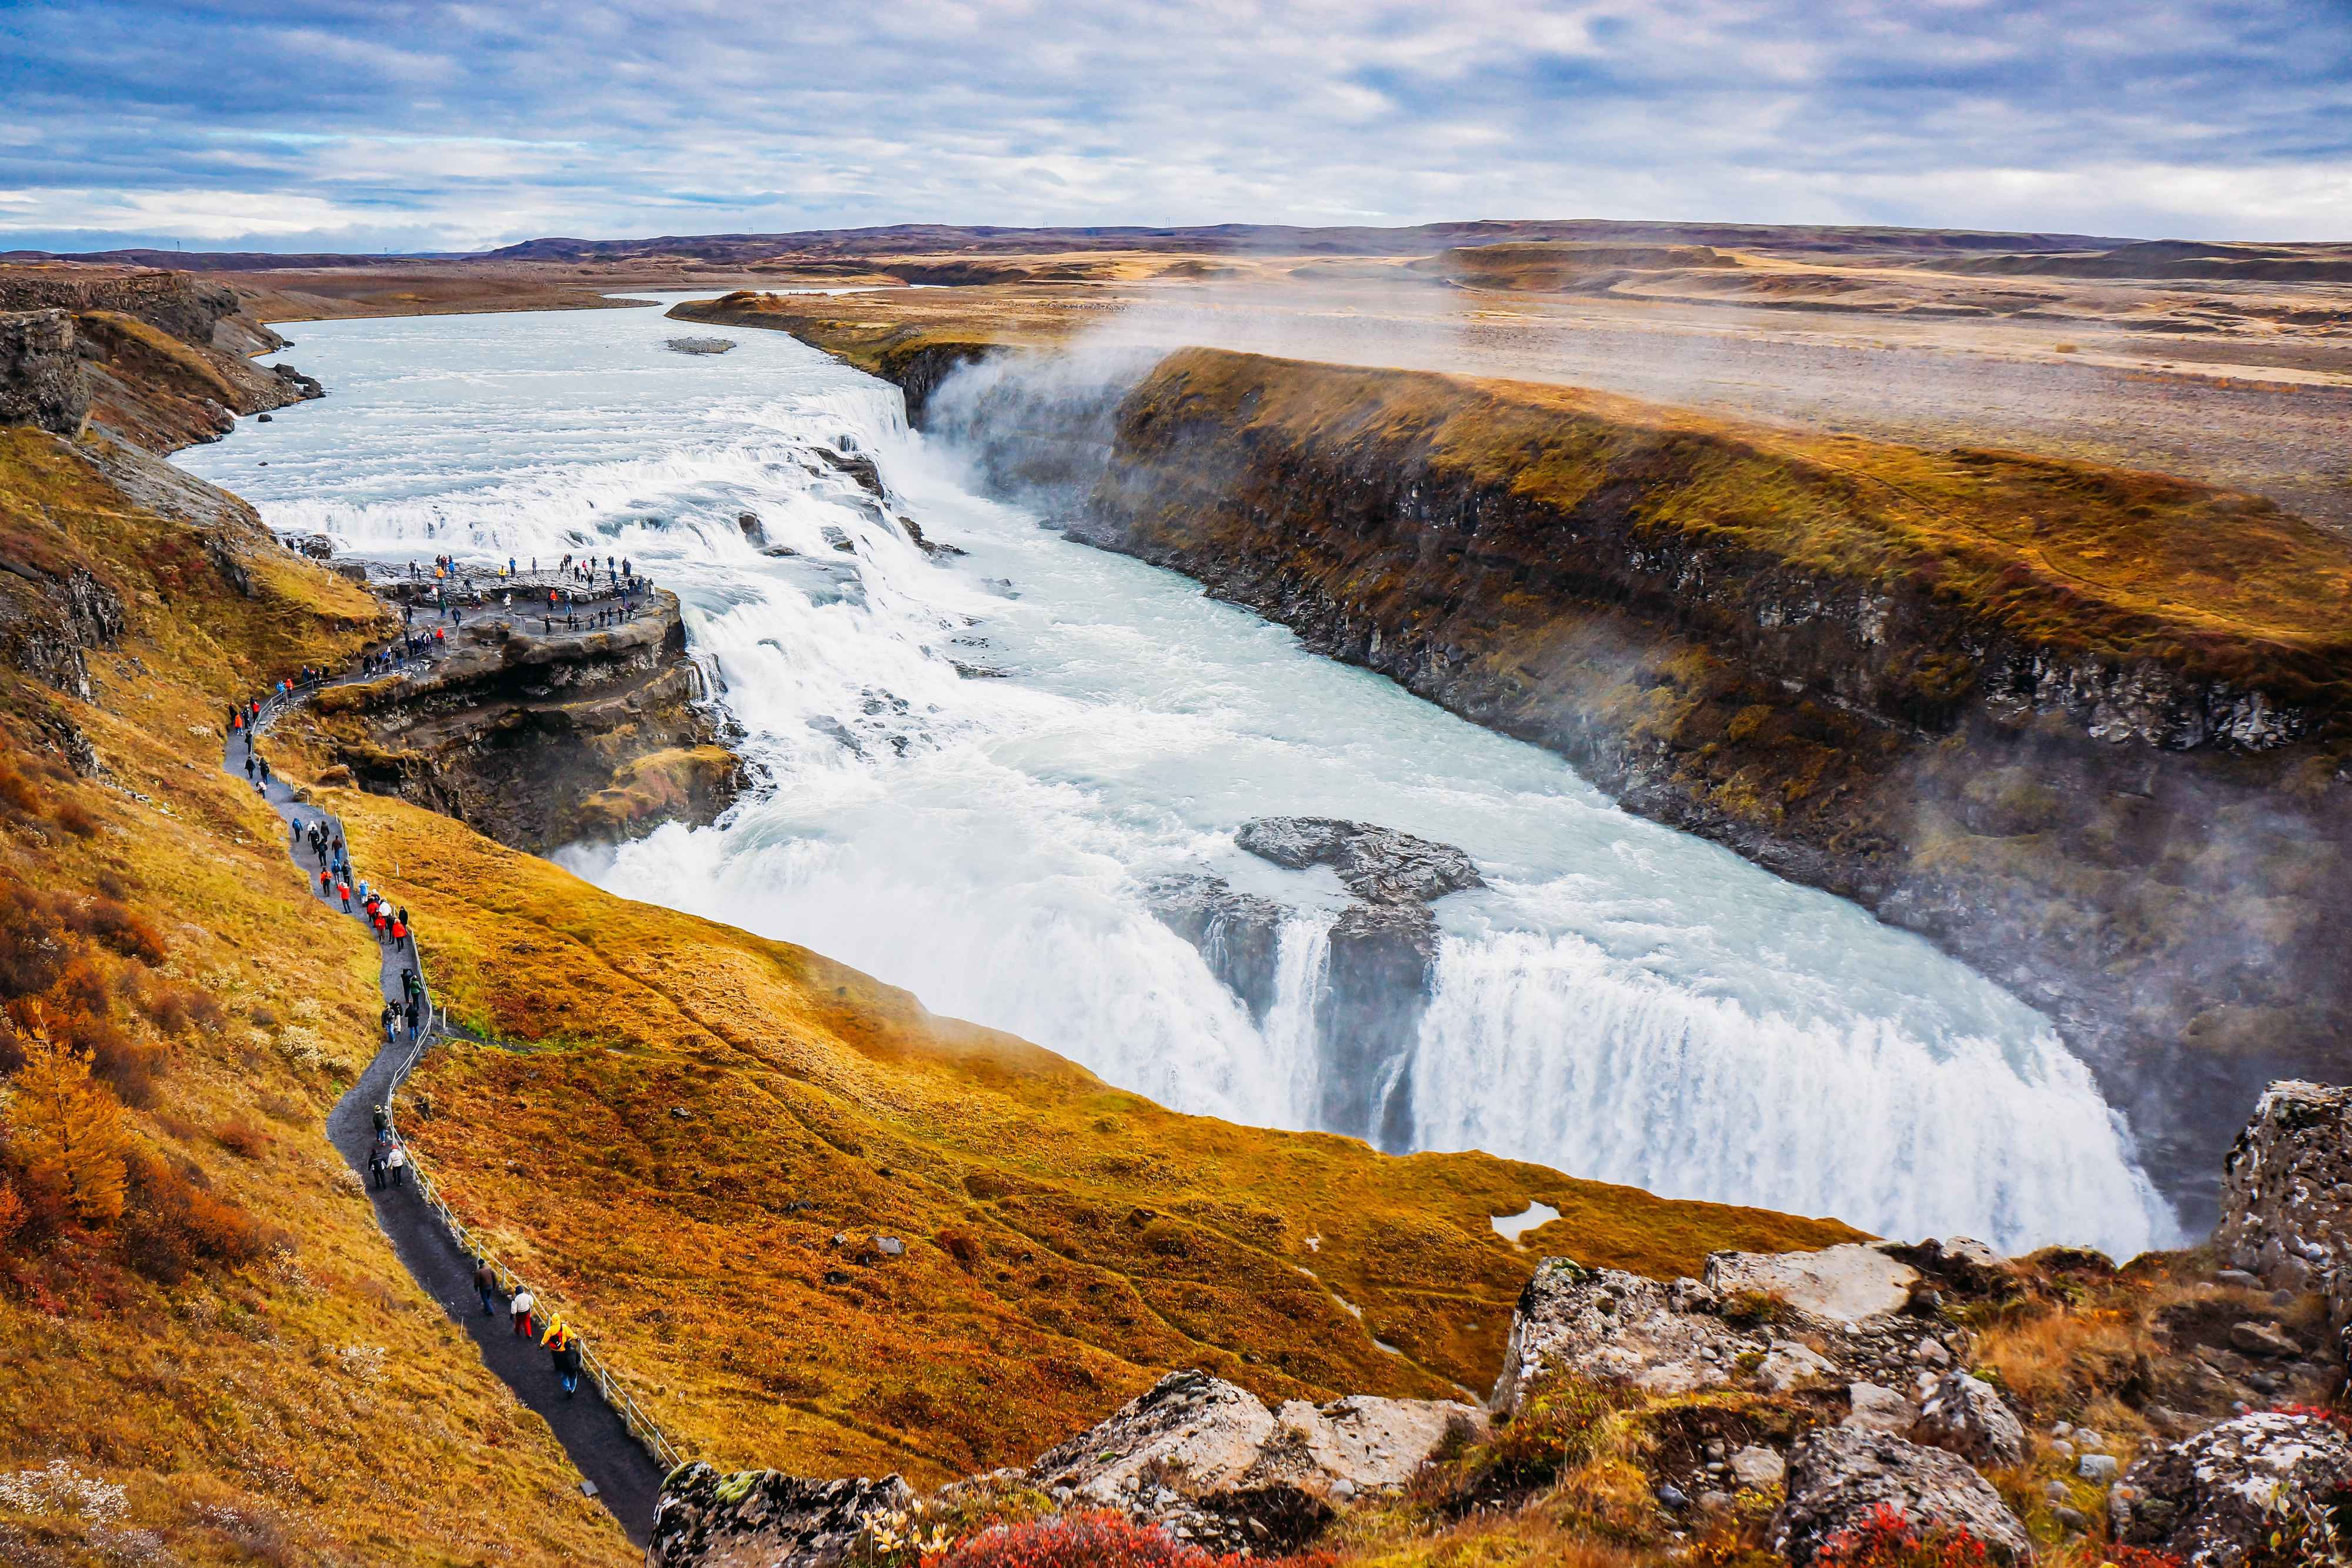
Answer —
(1067, 1241)
(312, 1405)
(2062, 553)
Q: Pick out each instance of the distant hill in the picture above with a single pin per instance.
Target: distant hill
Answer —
(901, 239)
(904, 239)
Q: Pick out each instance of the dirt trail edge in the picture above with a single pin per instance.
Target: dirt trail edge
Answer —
(625, 1478)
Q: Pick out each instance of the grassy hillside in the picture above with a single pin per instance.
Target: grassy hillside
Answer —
(236, 1349)
(2069, 555)
(705, 1110)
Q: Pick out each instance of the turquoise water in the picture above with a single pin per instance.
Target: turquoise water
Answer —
(1624, 1001)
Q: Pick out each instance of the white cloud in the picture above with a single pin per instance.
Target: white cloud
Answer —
(477, 125)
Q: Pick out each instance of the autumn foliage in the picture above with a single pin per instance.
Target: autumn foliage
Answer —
(1092, 1541)
(1889, 1539)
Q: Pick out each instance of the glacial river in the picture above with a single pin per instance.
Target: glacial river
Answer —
(1623, 1001)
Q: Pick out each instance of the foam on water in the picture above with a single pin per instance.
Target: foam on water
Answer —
(1623, 1002)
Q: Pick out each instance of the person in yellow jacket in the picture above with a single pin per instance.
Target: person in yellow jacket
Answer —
(564, 1346)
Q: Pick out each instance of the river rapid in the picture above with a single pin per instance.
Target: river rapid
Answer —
(973, 765)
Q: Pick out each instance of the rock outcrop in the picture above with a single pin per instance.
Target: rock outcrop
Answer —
(761, 1518)
(1963, 1415)
(1840, 1477)
(1377, 964)
(540, 740)
(166, 357)
(1211, 1464)
(2211, 1500)
(1831, 1322)
(41, 383)
(2286, 1195)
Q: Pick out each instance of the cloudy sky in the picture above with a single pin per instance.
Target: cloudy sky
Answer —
(375, 125)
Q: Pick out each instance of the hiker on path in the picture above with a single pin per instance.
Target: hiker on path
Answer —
(519, 1305)
(564, 1348)
(344, 888)
(382, 1119)
(396, 1162)
(326, 882)
(248, 767)
(375, 1167)
(486, 1279)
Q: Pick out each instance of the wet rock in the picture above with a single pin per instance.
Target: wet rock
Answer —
(754, 534)
(763, 1519)
(2205, 1501)
(1209, 1462)
(1238, 932)
(1379, 865)
(700, 345)
(858, 467)
(1838, 1477)
(1965, 1416)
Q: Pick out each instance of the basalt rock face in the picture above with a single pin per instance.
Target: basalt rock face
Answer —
(165, 358)
(1901, 676)
(542, 740)
(41, 383)
(1375, 980)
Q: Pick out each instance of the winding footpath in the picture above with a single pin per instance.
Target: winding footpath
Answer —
(614, 1465)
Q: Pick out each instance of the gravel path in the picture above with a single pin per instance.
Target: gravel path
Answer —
(613, 1464)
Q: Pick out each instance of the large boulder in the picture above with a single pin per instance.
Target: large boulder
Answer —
(1964, 1415)
(1748, 1325)
(763, 1519)
(2209, 1499)
(1847, 1284)
(1839, 1477)
(1612, 1326)
(1209, 1463)
(2286, 1194)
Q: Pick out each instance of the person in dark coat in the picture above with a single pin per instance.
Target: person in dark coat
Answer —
(563, 1346)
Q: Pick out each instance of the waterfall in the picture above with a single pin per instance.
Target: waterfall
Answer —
(1551, 1049)
(980, 762)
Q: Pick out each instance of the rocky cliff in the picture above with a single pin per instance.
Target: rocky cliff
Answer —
(166, 357)
(2082, 727)
(538, 740)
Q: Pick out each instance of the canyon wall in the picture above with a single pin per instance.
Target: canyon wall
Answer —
(539, 741)
(165, 358)
(2081, 727)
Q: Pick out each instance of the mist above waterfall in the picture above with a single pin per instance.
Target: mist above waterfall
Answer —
(977, 765)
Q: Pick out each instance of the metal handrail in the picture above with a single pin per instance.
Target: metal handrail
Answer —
(607, 1381)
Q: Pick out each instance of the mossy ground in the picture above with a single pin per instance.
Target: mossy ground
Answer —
(1066, 1242)
(311, 1404)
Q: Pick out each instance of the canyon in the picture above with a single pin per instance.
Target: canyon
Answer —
(2081, 725)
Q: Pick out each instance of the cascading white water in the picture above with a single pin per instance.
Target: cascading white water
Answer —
(977, 765)
(1289, 1027)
